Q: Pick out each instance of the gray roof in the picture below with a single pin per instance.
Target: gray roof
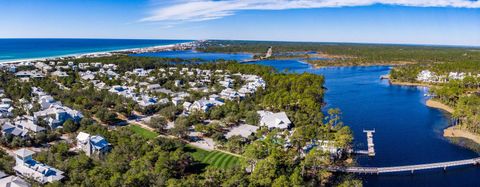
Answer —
(24, 152)
(13, 181)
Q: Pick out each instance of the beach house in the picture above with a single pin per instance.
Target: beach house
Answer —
(26, 166)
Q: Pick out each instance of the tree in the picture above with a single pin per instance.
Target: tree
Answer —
(181, 127)
(296, 178)
(168, 112)
(252, 118)
(264, 172)
(105, 115)
(158, 123)
(218, 137)
(69, 126)
(281, 181)
(6, 162)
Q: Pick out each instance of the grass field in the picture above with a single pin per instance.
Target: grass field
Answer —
(214, 158)
(143, 132)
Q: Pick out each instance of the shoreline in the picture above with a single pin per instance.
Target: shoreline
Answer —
(103, 53)
(450, 131)
(454, 132)
(438, 105)
(398, 83)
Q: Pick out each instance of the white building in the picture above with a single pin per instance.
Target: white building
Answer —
(242, 130)
(56, 115)
(204, 105)
(28, 167)
(274, 120)
(92, 144)
(13, 181)
(425, 76)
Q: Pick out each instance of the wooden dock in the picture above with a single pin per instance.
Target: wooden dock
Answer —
(371, 145)
(407, 168)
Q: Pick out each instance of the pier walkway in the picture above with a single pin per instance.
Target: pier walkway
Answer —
(408, 168)
(371, 146)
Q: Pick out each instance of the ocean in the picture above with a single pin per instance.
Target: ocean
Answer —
(21, 49)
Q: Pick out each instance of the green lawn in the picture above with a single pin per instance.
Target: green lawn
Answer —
(143, 132)
(214, 158)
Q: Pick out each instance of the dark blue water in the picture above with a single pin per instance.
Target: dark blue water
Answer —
(16, 49)
(190, 54)
(407, 131)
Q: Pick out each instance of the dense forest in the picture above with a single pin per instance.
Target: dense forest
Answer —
(348, 54)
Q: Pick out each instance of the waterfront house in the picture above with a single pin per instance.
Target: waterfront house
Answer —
(323, 145)
(274, 120)
(26, 166)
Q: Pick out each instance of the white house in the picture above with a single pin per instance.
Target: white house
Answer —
(59, 73)
(56, 115)
(13, 181)
(274, 120)
(425, 76)
(456, 75)
(28, 167)
(204, 105)
(242, 130)
(9, 129)
(92, 144)
(28, 123)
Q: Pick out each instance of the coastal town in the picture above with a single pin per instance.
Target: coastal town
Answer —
(161, 100)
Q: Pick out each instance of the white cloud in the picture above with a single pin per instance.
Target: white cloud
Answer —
(201, 10)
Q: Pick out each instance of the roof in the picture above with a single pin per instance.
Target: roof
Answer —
(24, 152)
(242, 130)
(83, 137)
(13, 181)
(99, 142)
(274, 120)
(2, 174)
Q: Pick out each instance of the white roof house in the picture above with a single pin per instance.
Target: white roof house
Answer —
(28, 123)
(13, 181)
(204, 105)
(9, 129)
(92, 144)
(274, 120)
(28, 167)
(88, 75)
(425, 76)
(242, 130)
(56, 115)
(456, 75)
(59, 73)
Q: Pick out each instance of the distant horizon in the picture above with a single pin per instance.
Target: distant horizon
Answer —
(294, 41)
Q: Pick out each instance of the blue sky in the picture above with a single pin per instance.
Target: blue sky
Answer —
(447, 22)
